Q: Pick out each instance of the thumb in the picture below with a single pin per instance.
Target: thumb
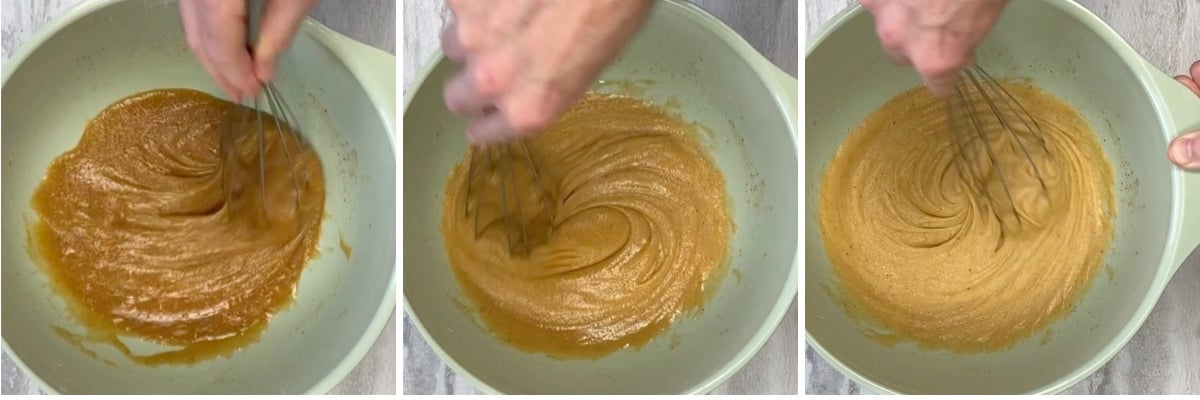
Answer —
(280, 20)
(1184, 151)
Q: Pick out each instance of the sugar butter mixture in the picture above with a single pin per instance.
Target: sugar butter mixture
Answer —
(916, 246)
(137, 231)
(640, 232)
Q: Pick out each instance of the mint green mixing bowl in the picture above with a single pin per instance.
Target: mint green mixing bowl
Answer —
(343, 93)
(1134, 109)
(749, 107)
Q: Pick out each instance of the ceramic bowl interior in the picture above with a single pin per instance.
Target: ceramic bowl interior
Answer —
(720, 85)
(1050, 42)
(115, 49)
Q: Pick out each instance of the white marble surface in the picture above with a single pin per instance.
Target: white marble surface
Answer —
(1167, 33)
(770, 26)
(369, 21)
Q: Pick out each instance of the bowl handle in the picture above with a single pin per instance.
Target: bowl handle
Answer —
(375, 69)
(1183, 109)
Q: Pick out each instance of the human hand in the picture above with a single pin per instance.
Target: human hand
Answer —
(1184, 151)
(216, 32)
(524, 62)
(936, 37)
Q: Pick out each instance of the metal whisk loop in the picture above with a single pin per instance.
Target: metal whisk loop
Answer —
(992, 87)
(286, 126)
(262, 156)
(975, 126)
(251, 120)
(283, 113)
(493, 171)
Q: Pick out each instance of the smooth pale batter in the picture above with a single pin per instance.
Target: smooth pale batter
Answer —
(914, 245)
(640, 231)
(136, 229)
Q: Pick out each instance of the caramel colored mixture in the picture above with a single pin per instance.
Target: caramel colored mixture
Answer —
(915, 245)
(137, 230)
(636, 232)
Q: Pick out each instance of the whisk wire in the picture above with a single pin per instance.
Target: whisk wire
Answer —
(980, 131)
(262, 154)
(497, 174)
(533, 170)
(999, 106)
(286, 124)
(275, 102)
(250, 123)
(1021, 114)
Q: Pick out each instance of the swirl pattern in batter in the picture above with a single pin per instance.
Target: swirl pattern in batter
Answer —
(136, 229)
(640, 231)
(915, 246)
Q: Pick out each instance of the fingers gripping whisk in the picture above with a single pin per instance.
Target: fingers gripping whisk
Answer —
(999, 145)
(506, 192)
(262, 136)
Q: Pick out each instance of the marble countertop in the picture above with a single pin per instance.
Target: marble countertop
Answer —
(370, 21)
(770, 26)
(1167, 33)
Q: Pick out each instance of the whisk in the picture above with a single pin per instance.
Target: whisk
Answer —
(504, 186)
(255, 118)
(990, 123)
(253, 123)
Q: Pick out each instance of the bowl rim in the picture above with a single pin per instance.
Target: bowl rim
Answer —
(767, 73)
(1141, 71)
(325, 37)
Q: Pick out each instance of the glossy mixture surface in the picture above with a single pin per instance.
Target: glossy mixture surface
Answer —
(915, 245)
(137, 231)
(636, 231)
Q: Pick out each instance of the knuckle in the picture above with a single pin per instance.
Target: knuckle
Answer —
(454, 100)
(449, 98)
(889, 36)
(489, 80)
(470, 37)
(529, 118)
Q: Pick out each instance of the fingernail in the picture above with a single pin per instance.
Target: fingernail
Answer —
(1182, 152)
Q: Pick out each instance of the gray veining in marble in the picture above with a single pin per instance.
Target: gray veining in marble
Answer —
(770, 26)
(370, 21)
(1164, 356)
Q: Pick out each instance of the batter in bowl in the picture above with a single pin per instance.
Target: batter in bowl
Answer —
(914, 246)
(137, 232)
(640, 233)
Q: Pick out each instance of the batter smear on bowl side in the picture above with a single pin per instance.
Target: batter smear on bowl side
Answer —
(915, 247)
(640, 233)
(137, 232)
